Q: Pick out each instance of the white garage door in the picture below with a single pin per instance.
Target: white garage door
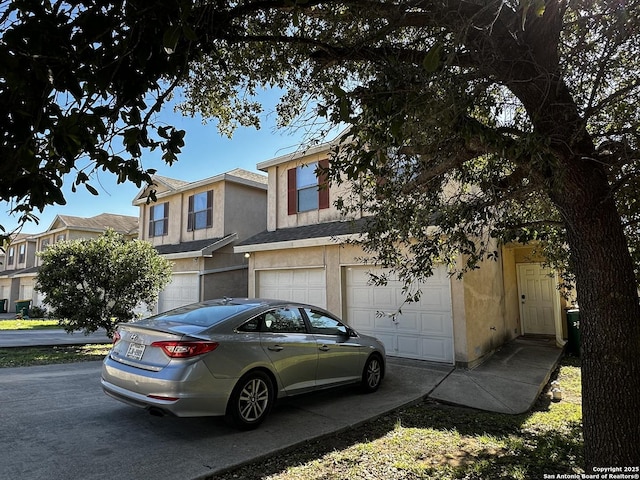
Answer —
(423, 330)
(304, 285)
(183, 289)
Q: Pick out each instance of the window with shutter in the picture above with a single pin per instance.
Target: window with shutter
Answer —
(159, 220)
(200, 213)
(307, 189)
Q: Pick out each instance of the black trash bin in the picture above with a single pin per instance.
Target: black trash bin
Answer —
(22, 308)
(573, 332)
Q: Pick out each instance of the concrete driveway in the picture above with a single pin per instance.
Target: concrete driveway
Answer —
(55, 422)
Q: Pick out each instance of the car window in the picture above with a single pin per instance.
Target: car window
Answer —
(252, 325)
(324, 324)
(204, 314)
(283, 320)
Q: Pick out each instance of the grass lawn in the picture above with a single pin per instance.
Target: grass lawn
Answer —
(29, 324)
(434, 441)
(27, 356)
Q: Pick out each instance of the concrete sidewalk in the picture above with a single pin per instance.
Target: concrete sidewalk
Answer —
(510, 381)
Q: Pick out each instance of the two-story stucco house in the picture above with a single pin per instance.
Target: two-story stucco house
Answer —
(196, 225)
(20, 267)
(300, 257)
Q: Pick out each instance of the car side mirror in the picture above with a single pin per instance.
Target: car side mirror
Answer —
(345, 331)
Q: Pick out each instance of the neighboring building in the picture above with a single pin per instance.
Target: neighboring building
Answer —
(20, 267)
(196, 225)
(300, 257)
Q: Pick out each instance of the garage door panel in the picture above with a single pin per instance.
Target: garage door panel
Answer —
(384, 298)
(409, 346)
(183, 290)
(305, 285)
(437, 324)
(388, 340)
(435, 297)
(409, 322)
(432, 349)
(422, 330)
(437, 350)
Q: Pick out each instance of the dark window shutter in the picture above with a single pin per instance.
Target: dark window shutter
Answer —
(210, 208)
(190, 215)
(292, 192)
(165, 226)
(323, 184)
(151, 221)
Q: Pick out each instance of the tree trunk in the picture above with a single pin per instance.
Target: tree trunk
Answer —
(609, 316)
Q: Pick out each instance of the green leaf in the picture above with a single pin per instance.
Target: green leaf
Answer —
(432, 58)
(170, 39)
(92, 190)
(189, 33)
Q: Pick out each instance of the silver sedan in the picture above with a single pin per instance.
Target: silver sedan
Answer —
(235, 357)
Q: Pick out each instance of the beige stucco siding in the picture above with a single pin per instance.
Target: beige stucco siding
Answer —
(245, 210)
(178, 214)
(278, 216)
(484, 311)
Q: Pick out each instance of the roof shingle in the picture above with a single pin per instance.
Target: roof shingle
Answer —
(320, 230)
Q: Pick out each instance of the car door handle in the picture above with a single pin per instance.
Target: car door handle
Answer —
(324, 348)
(276, 348)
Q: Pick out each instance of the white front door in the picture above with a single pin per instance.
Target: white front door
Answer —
(538, 299)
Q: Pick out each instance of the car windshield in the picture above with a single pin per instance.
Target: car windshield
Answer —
(205, 315)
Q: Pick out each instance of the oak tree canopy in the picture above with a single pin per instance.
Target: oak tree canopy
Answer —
(491, 120)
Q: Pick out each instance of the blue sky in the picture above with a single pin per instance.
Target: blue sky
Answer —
(205, 154)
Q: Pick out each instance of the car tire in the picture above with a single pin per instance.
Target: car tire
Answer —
(372, 374)
(250, 401)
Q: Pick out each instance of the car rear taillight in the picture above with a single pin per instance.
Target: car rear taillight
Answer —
(185, 349)
(116, 337)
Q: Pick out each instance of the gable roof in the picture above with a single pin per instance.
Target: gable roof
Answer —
(237, 175)
(247, 175)
(170, 183)
(119, 223)
(17, 237)
(307, 150)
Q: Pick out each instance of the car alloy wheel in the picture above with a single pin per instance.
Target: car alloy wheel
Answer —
(251, 400)
(372, 374)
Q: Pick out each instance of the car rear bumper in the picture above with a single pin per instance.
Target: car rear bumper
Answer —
(181, 392)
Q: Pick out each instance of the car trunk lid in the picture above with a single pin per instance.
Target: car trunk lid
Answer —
(135, 346)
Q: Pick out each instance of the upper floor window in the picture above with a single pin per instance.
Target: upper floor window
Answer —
(306, 189)
(12, 255)
(159, 220)
(21, 253)
(200, 211)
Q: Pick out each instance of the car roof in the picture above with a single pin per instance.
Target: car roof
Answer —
(258, 302)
